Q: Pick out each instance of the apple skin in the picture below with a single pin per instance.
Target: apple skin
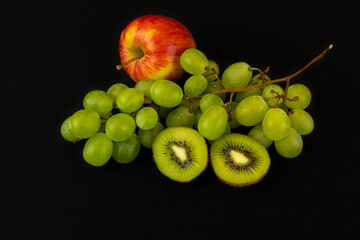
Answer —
(153, 44)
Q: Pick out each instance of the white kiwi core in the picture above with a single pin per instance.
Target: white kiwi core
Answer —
(238, 157)
(180, 152)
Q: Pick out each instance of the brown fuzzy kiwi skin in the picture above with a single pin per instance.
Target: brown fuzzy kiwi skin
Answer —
(237, 185)
(207, 163)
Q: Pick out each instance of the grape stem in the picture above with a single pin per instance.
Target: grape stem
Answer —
(283, 79)
(216, 76)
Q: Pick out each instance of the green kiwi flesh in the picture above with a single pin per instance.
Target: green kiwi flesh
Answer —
(180, 153)
(239, 160)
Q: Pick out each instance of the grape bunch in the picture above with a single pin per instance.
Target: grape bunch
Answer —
(118, 122)
(275, 115)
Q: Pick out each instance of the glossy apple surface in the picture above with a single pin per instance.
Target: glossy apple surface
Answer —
(153, 44)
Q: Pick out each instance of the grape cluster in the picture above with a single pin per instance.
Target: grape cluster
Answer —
(117, 122)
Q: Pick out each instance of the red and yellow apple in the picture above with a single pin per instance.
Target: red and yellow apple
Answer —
(150, 48)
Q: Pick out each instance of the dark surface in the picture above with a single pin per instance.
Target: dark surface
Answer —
(53, 54)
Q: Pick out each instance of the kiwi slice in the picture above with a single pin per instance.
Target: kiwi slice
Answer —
(180, 153)
(239, 160)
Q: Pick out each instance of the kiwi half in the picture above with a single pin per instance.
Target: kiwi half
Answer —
(180, 153)
(239, 160)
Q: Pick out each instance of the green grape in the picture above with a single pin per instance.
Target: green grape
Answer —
(194, 61)
(209, 100)
(209, 74)
(197, 114)
(226, 131)
(237, 75)
(244, 94)
(147, 137)
(251, 110)
(291, 145)
(126, 151)
(166, 93)
(103, 122)
(120, 126)
(65, 131)
(114, 90)
(102, 128)
(267, 93)
(213, 87)
(301, 121)
(300, 95)
(130, 100)
(276, 124)
(144, 86)
(84, 123)
(233, 123)
(257, 80)
(195, 85)
(163, 111)
(192, 104)
(146, 118)
(212, 122)
(180, 116)
(105, 117)
(98, 101)
(258, 134)
(98, 149)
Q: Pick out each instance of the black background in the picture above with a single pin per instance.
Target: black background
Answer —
(54, 53)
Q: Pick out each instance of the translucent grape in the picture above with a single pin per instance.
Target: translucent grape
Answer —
(84, 123)
(212, 122)
(195, 85)
(257, 80)
(209, 74)
(65, 131)
(209, 100)
(276, 124)
(301, 121)
(114, 90)
(98, 101)
(98, 149)
(144, 86)
(300, 95)
(291, 145)
(126, 151)
(244, 94)
(197, 114)
(180, 116)
(258, 134)
(166, 93)
(213, 87)
(147, 137)
(237, 75)
(226, 131)
(130, 100)
(120, 126)
(271, 91)
(163, 111)
(194, 61)
(146, 118)
(233, 123)
(251, 110)
(193, 104)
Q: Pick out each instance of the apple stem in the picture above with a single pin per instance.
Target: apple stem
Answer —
(121, 66)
